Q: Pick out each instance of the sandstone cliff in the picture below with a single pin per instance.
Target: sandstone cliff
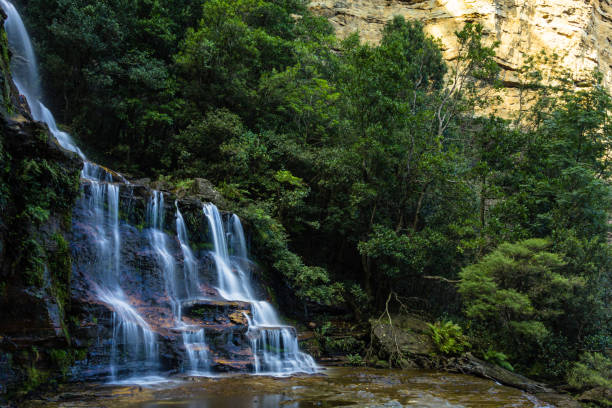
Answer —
(578, 31)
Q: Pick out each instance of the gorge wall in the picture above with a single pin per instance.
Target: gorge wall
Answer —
(578, 31)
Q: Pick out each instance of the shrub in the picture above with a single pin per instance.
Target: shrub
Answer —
(355, 360)
(498, 358)
(593, 370)
(448, 338)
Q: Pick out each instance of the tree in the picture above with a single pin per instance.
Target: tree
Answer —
(521, 292)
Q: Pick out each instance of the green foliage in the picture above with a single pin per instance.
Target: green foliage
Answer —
(39, 184)
(355, 360)
(498, 358)
(448, 338)
(61, 359)
(526, 293)
(592, 370)
(271, 248)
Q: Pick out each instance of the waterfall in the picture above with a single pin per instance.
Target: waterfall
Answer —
(194, 339)
(134, 346)
(237, 241)
(233, 285)
(274, 345)
(136, 334)
(178, 287)
(159, 242)
(26, 77)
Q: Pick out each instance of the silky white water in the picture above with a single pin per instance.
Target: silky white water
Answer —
(275, 346)
(159, 242)
(194, 339)
(26, 77)
(232, 283)
(179, 285)
(190, 264)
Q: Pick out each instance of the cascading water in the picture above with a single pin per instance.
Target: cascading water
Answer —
(194, 338)
(25, 74)
(134, 347)
(138, 328)
(237, 240)
(233, 284)
(275, 346)
(159, 243)
(178, 287)
(190, 263)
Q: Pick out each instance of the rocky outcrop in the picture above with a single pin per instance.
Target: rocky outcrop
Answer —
(405, 340)
(579, 32)
(600, 396)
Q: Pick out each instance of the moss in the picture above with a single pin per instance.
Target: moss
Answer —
(60, 264)
(35, 377)
(32, 376)
(39, 184)
(207, 246)
(33, 262)
(81, 354)
(61, 359)
(5, 70)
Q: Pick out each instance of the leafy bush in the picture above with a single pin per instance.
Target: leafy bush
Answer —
(448, 338)
(518, 291)
(355, 360)
(593, 370)
(498, 358)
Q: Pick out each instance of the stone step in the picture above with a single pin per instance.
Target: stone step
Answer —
(197, 347)
(274, 328)
(217, 312)
(235, 304)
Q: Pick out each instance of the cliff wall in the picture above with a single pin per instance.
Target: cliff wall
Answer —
(578, 31)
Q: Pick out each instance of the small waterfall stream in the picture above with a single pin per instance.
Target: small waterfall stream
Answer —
(25, 74)
(275, 346)
(135, 344)
(190, 263)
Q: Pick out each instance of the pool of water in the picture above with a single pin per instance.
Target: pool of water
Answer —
(336, 387)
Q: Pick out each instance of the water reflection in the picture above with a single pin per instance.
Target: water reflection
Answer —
(260, 401)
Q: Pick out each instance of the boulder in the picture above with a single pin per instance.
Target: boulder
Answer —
(407, 335)
(601, 396)
(202, 190)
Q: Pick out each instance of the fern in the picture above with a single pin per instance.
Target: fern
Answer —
(448, 338)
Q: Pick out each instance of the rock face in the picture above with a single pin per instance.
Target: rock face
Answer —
(579, 32)
(600, 395)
